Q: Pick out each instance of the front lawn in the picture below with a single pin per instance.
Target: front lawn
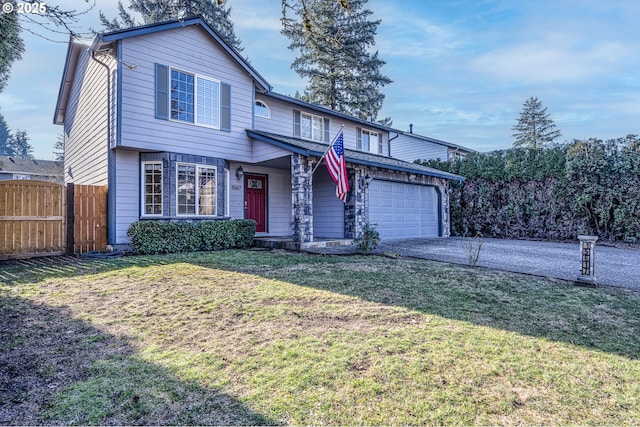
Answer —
(257, 337)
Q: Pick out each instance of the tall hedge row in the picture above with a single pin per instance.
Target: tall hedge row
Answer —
(583, 187)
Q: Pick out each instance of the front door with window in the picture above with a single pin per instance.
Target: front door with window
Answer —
(256, 201)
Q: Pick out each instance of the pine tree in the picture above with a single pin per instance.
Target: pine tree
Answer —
(6, 149)
(534, 129)
(213, 11)
(58, 148)
(11, 45)
(21, 146)
(334, 40)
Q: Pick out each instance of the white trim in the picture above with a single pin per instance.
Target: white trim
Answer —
(312, 116)
(373, 147)
(227, 196)
(143, 193)
(268, 116)
(197, 190)
(195, 97)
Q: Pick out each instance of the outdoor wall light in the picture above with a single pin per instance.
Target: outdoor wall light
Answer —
(239, 172)
(365, 181)
(368, 179)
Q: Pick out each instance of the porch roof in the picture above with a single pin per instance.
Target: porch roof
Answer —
(309, 148)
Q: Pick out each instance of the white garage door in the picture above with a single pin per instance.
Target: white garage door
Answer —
(403, 210)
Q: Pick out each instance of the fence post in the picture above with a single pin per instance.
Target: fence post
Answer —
(71, 225)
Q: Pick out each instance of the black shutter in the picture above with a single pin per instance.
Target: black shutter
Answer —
(162, 92)
(225, 106)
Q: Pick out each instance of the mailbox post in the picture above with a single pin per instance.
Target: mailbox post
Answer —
(587, 260)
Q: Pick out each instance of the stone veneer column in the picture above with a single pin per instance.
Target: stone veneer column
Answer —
(301, 198)
(355, 215)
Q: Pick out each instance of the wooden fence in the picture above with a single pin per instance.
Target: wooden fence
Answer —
(87, 218)
(40, 218)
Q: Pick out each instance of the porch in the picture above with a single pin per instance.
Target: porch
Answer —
(288, 243)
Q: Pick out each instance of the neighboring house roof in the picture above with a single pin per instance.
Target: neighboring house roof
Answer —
(22, 166)
(435, 141)
(317, 149)
(326, 110)
(73, 53)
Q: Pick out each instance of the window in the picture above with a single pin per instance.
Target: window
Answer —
(181, 96)
(195, 99)
(370, 141)
(208, 95)
(312, 127)
(261, 109)
(152, 189)
(196, 190)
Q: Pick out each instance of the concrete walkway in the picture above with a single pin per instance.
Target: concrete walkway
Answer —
(614, 267)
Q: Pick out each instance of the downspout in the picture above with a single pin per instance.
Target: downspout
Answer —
(106, 67)
(389, 142)
(110, 159)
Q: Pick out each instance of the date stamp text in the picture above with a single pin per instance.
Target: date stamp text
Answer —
(24, 7)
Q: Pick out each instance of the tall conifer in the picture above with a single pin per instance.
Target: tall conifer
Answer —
(535, 128)
(334, 40)
(213, 11)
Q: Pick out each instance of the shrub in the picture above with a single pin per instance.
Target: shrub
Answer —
(368, 240)
(158, 237)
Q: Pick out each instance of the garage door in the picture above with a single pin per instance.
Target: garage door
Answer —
(403, 210)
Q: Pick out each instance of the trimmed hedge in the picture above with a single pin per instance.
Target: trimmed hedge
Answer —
(583, 187)
(160, 237)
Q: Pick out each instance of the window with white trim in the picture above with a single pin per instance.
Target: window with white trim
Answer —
(312, 127)
(370, 141)
(152, 188)
(195, 99)
(196, 189)
(261, 109)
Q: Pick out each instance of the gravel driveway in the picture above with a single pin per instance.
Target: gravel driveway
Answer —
(614, 266)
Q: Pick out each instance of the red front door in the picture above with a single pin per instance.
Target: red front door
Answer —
(256, 200)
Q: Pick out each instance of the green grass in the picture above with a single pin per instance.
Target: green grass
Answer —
(255, 337)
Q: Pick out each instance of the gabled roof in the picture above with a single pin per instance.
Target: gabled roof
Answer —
(10, 164)
(309, 148)
(198, 21)
(74, 49)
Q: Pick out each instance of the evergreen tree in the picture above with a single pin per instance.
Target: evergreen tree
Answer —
(213, 11)
(21, 146)
(58, 148)
(334, 40)
(11, 45)
(6, 149)
(534, 129)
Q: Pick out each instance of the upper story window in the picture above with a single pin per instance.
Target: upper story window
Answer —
(192, 98)
(195, 99)
(312, 127)
(261, 109)
(309, 126)
(368, 140)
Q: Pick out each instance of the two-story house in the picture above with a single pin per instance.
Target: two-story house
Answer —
(181, 127)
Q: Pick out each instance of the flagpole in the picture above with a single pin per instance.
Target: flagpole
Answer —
(325, 153)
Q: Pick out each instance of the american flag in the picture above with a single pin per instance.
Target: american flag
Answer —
(337, 167)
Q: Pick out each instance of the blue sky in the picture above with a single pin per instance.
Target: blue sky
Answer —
(461, 69)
